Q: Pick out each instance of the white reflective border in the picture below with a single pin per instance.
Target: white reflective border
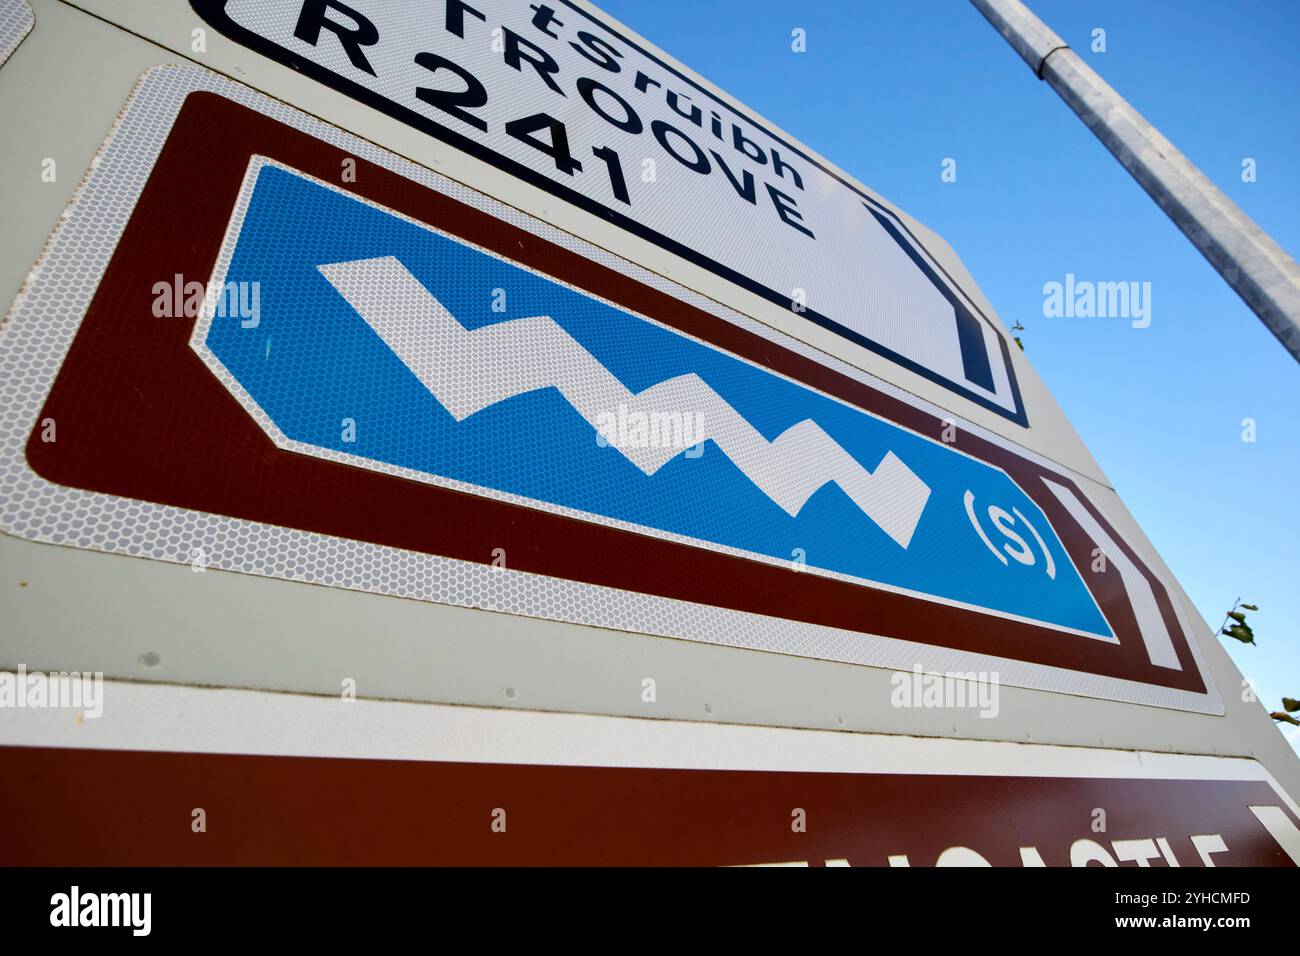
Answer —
(44, 319)
(1159, 645)
(16, 21)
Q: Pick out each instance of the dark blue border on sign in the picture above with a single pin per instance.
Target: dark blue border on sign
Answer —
(213, 12)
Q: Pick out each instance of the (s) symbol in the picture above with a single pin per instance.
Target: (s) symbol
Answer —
(1015, 546)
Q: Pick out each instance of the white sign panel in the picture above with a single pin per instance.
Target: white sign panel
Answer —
(556, 97)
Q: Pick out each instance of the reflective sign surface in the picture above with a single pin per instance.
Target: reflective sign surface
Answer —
(330, 365)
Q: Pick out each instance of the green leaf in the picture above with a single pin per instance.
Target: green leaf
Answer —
(1290, 704)
(1237, 616)
(1240, 632)
(1249, 607)
(1279, 716)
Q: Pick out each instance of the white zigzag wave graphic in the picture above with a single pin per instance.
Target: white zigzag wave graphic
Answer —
(468, 371)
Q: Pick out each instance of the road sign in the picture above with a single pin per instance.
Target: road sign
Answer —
(473, 786)
(683, 817)
(353, 363)
(338, 367)
(557, 97)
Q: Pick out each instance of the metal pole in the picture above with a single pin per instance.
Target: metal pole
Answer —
(1257, 268)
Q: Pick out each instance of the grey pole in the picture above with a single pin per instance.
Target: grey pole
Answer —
(1257, 268)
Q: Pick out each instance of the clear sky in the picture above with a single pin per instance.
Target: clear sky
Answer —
(889, 90)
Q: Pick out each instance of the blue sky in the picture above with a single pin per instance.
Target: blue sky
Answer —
(889, 90)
